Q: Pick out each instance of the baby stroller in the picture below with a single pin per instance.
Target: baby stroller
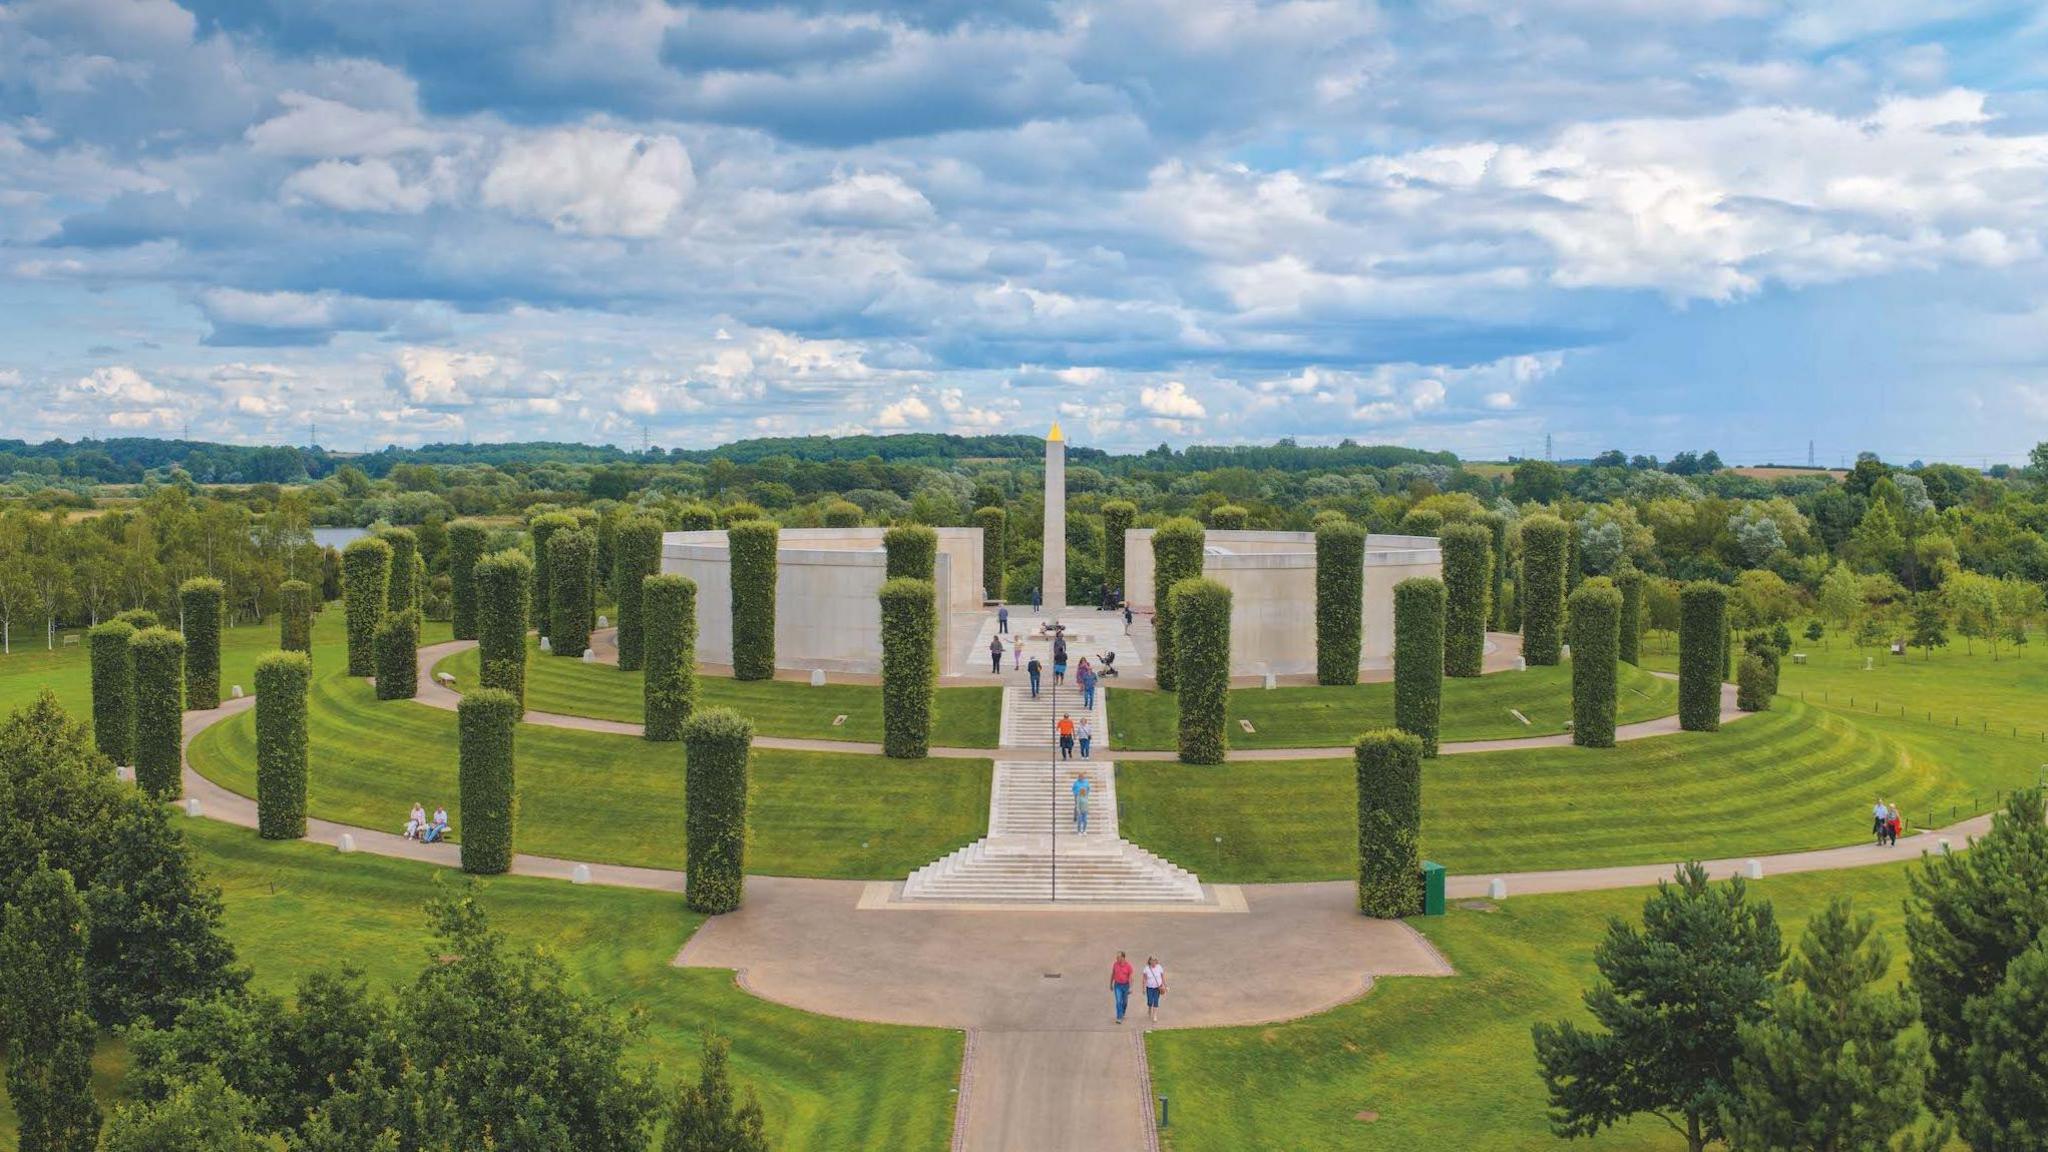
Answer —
(1106, 665)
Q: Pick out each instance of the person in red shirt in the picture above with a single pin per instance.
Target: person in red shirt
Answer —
(1120, 984)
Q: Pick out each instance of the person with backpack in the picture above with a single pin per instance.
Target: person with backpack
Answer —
(1032, 670)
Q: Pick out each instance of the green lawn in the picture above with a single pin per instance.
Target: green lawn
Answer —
(1446, 1063)
(619, 799)
(1779, 781)
(1317, 717)
(824, 1083)
(965, 717)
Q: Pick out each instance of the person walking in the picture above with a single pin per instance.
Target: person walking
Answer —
(995, 655)
(1084, 734)
(1033, 670)
(1036, 600)
(1127, 617)
(1017, 651)
(1880, 816)
(1066, 731)
(1120, 985)
(1085, 677)
(1002, 617)
(1155, 986)
(1081, 787)
(1894, 825)
(1059, 658)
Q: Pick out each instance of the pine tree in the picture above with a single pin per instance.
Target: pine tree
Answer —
(704, 1117)
(48, 1030)
(2005, 1105)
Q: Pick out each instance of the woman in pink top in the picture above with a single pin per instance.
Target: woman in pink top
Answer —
(1120, 984)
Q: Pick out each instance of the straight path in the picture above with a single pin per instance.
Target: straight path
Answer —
(1072, 1091)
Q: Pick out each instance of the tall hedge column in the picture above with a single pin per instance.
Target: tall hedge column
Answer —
(1540, 591)
(909, 665)
(718, 743)
(1595, 629)
(1340, 599)
(159, 656)
(912, 551)
(1117, 517)
(295, 600)
(542, 529)
(994, 524)
(113, 690)
(570, 556)
(398, 656)
(1419, 659)
(485, 722)
(503, 580)
(1702, 636)
(201, 601)
(1388, 764)
(282, 680)
(668, 607)
(843, 514)
(1497, 527)
(1201, 644)
(752, 545)
(466, 541)
(403, 593)
(1176, 556)
(1468, 597)
(636, 555)
(365, 585)
(1629, 582)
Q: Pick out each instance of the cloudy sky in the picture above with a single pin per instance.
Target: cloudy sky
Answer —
(1741, 224)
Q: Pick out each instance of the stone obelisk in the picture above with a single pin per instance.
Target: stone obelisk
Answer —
(1053, 582)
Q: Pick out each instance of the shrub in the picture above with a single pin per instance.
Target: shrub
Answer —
(295, 616)
(365, 572)
(139, 618)
(1176, 556)
(200, 607)
(570, 594)
(466, 542)
(1595, 622)
(1753, 684)
(1228, 517)
(740, 513)
(1419, 658)
(542, 529)
(1468, 597)
(1422, 522)
(636, 555)
(696, 518)
(1497, 526)
(1702, 631)
(1117, 518)
(403, 592)
(398, 654)
(503, 580)
(752, 547)
(1340, 595)
(159, 659)
(113, 690)
(1388, 765)
(486, 780)
(668, 610)
(909, 665)
(843, 514)
(1629, 581)
(994, 524)
(1540, 590)
(1201, 643)
(282, 680)
(913, 552)
(717, 743)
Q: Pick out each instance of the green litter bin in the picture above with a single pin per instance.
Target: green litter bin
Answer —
(1432, 889)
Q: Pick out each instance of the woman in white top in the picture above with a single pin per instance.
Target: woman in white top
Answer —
(1155, 986)
(416, 823)
(1017, 650)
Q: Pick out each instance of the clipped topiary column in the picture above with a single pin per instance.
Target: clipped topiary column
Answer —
(1595, 628)
(466, 542)
(1176, 556)
(159, 659)
(740, 513)
(1629, 582)
(1468, 597)
(570, 552)
(202, 602)
(994, 523)
(843, 514)
(1497, 527)
(636, 555)
(1117, 518)
(402, 593)
(910, 674)
(282, 681)
(1422, 522)
(1389, 771)
(138, 618)
(1201, 644)
(295, 600)
(1419, 658)
(752, 545)
(718, 743)
(668, 607)
(486, 792)
(913, 552)
(1340, 598)
(365, 576)
(700, 518)
(1702, 634)
(113, 690)
(1753, 684)
(1228, 517)
(503, 581)
(541, 529)
(398, 656)
(1540, 590)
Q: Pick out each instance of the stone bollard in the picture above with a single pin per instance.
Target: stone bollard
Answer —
(125, 774)
(1564, 651)
(1521, 664)
(1754, 869)
(590, 655)
(1497, 889)
(347, 843)
(545, 646)
(236, 692)
(603, 623)
(581, 875)
(817, 677)
(1943, 845)
(192, 806)
(1271, 681)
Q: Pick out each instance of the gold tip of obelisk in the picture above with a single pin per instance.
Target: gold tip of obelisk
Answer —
(1054, 435)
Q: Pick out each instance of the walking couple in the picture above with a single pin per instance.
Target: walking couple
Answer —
(1120, 985)
(1885, 821)
(1070, 731)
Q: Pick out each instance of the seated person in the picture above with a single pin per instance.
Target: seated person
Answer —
(416, 824)
(438, 830)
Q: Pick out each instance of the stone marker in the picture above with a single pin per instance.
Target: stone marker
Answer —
(581, 875)
(1754, 869)
(545, 646)
(236, 692)
(590, 655)
(1272, 681)
(1246, 725)
(817, 677)
(839, 720)
(125, 773)
(1944, 846)
(347, 843)
(1497, 889)
(1521, 664)
(603, 623)
(192, 806)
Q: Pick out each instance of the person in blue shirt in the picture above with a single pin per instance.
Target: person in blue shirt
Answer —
(1081, 803)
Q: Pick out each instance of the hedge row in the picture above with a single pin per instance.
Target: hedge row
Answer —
(503, 581)
(1388, 766)
(282, 680)
(398, 656)
(466, 542)
(1540, 590)
(571, 554)
(1201, 643)
(994, 524)
(910, 674)
(752, 545)
(1468, 597)
(843, 514)
(296, 600)
(636, 555)
(365, 582)
(717, 743)
(1176, 556)
(1340, 596)
(1702, 632)
(403, 592)
(912, 552)
(1629, 582)
(1419, 658)
(113, 690)
(1595, 628)
(1229, 517)
(1497, 527)
(696, 518)
(202, 606)
(1574, 572)
(542, 530)
(487, 794)
(668, 611)
(1117, 518)
(159, 660)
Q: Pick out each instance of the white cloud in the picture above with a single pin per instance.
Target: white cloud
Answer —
(593, 181)
(867, 200)
(1499, 400)
(1171, 400)
(118, 385)
(903, 413)
(313, 126)
(373, 185)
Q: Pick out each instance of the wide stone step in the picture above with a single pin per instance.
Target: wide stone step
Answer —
(996, 870)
